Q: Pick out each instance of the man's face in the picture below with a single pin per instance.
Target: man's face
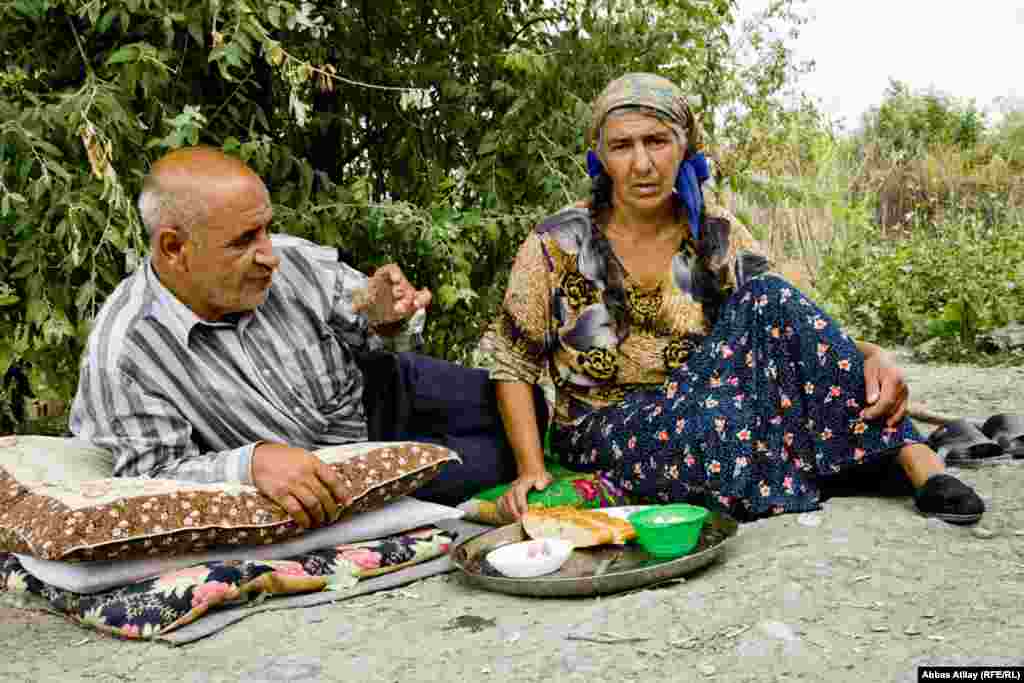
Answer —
(231, 261)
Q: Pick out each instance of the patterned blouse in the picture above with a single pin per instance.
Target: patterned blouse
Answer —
(560, 314)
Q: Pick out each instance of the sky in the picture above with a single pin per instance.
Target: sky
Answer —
(971, 49)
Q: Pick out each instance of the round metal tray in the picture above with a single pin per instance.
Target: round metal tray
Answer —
(590, 571)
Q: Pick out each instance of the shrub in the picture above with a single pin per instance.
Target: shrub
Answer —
(950, 281)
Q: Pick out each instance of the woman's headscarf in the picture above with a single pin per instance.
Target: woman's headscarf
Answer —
(649, 91)
(658, 94)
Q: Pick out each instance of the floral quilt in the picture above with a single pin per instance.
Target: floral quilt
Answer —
(155, 606)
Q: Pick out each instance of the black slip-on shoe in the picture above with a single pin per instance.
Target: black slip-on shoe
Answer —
(962, 444)
(947, 498)
(1007, 430)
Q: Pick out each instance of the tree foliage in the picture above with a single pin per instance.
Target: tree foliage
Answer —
(426, 132)
(907, 122)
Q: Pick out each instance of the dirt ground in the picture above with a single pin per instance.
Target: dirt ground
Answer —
(864, 590)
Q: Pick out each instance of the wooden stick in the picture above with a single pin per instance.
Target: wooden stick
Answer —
(606, 638)
(922, 414)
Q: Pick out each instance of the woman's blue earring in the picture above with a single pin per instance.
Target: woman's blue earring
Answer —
(594, 165)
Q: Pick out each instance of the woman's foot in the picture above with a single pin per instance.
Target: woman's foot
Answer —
(937, 494)
(947, 498)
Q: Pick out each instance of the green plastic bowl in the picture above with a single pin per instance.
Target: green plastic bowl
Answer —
(669, 530)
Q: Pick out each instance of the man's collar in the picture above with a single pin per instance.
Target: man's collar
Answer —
(169, 310)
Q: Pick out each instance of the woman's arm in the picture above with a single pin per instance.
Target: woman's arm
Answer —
(518, 413)
(868, 349)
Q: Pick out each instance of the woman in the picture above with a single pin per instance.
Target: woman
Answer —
(684, 370)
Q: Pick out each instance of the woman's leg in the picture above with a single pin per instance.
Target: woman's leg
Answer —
(767, 406)
(920, 462)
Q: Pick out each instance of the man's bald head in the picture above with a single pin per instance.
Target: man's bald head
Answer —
(180, 187)
(209, 219)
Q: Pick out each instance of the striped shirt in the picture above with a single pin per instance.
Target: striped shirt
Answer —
(171, 395)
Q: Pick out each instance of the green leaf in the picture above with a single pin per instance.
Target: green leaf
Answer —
(86, 295)
(489, 144)
(37, 311)
(306, 175)
(128, 53)
(24, 270)
(105, 22)
(24, 168)
(953, 312)
(262, 118)
(58, 170)
(39, 188)
(9, 299)
(97, 216)
(195, 29)
(447, 296)
(109, 276)
(32, 9)
(239, 37)
(233, 54)
(49, 148)
(117, 239)
(274, 16)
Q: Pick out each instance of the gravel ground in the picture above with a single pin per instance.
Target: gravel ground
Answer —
(864, 590)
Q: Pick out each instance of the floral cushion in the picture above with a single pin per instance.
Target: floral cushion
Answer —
(153, 607)
(61, 517)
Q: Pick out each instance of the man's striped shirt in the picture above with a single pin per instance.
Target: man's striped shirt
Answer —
(174, 396)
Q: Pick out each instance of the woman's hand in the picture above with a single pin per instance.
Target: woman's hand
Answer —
(885, 387)
(512, 506)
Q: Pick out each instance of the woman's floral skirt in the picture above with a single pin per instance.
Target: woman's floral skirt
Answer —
(759, 413)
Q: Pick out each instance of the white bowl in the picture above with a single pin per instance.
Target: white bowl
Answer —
(530, 558)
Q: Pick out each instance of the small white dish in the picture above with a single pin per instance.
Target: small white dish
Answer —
(623, 511)
(528, 559)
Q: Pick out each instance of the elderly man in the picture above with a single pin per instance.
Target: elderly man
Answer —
(229, 354)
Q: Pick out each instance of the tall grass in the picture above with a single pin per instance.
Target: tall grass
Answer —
(843, 190)
(805, 206)
(903, 250)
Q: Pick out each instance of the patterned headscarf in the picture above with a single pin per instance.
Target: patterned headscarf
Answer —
(648, 91)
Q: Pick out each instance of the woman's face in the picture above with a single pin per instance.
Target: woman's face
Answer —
(642, 156)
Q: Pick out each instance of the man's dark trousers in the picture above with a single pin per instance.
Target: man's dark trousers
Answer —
(412, 397)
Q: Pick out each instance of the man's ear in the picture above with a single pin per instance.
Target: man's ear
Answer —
(172, 248)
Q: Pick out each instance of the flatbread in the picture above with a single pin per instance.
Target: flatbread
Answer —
(583, 528)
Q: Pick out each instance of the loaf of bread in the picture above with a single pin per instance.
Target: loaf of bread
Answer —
(583, 528)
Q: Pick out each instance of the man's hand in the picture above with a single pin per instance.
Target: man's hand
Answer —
(886, 389)
(299, 482)
(391, 298)
(512, 505)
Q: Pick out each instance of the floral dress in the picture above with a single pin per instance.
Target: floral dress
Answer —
(724, 387)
